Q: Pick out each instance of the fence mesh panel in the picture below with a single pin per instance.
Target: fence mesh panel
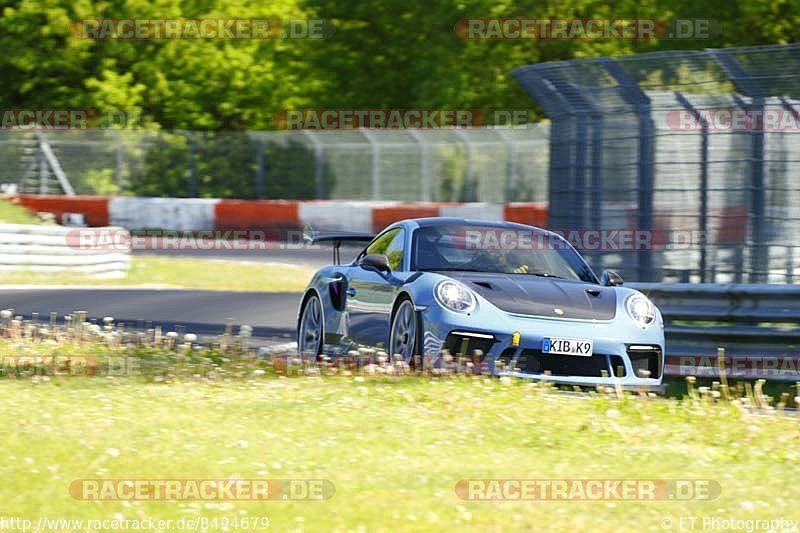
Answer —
(695, 149)
(487, 164)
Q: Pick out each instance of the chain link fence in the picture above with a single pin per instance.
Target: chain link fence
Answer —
(699, 149)
(494, 164)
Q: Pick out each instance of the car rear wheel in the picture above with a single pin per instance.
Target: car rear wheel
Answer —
(404, 337)
(309, 335)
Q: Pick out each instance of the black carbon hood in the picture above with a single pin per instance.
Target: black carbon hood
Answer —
(539, 296)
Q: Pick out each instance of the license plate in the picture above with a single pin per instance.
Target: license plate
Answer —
(555, 346)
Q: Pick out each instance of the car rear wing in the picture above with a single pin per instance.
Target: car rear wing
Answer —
(336, 238)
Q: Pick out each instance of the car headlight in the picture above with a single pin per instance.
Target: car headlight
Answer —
(641, 310)
(455, 296)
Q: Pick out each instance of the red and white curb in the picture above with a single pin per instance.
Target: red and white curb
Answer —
(198, 214)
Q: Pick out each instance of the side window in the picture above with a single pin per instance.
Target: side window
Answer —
(389, 244)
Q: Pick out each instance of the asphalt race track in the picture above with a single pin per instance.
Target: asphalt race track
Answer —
(271, 315)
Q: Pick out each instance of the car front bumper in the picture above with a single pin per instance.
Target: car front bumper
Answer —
(618, 358)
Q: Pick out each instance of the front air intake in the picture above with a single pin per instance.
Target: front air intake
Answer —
(645, 360)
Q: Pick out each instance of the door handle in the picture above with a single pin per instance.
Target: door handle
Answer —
(351, 291)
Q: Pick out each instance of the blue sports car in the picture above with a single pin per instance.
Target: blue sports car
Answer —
(509, 298)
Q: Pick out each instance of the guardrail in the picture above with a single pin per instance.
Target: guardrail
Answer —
(757, 325)
(34, 248)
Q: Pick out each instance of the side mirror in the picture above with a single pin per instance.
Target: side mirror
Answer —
(610, 278)
(375, 262)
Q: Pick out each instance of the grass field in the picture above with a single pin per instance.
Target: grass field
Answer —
(16, 214)
(394, 449)
(185, 273)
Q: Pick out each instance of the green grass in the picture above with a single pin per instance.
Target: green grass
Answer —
(393, 448)
(11, 213)
(169, 272)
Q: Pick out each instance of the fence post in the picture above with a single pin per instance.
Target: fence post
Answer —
(376, 163)
(424, 166)
(579, 176)
(640, 104)
(751, 87)
(511, 163)
(120, 161)
(558, 169)
(547, 86)
(703, 181)
(260, 166)
(469, 180)
(760, 258)
(596, 213)
(192, 169)
(42, 166)
(318, 162)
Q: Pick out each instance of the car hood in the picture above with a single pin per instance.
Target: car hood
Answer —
(540, 296)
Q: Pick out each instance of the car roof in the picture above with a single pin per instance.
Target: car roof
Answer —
(444, 221)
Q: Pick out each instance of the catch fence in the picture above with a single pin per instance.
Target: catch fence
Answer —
(698, 148)
(493, 164)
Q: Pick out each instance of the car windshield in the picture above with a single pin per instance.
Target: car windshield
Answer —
(497, 249)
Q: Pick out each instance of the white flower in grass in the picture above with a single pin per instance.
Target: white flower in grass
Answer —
(113, 452)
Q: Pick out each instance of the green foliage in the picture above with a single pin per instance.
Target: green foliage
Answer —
(387, 53)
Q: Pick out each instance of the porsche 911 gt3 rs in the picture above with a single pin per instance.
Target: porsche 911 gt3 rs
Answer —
(513, 299)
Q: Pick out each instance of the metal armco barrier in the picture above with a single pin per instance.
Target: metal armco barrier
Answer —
(34, 248)
(758, 325)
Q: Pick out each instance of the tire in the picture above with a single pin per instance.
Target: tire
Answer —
(404, 334)
(310, 331)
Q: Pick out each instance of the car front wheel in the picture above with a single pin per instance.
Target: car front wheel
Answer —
(404, 337)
